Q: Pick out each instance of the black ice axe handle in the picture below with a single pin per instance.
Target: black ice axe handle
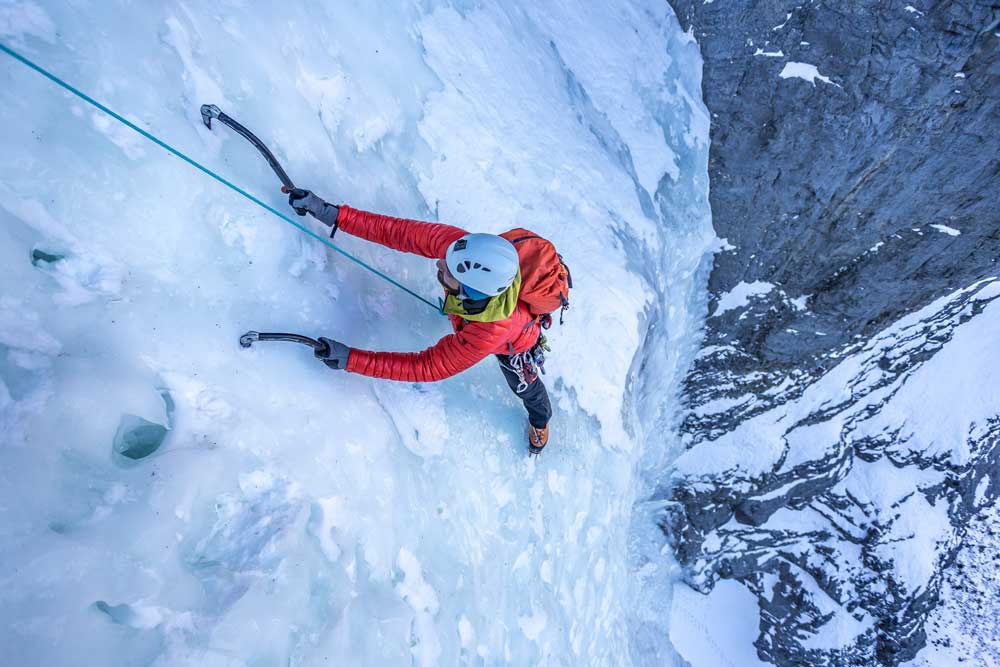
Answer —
(320, 348)
(210, 111)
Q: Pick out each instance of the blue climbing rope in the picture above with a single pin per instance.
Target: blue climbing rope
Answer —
(162, 144)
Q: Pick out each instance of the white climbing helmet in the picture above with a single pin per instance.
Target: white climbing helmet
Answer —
(485, 263)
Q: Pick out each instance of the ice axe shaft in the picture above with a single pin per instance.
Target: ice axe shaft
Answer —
(210, 111)
(249, 338)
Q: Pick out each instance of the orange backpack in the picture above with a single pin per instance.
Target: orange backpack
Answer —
(545, 278)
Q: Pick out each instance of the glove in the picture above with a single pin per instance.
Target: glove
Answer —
(335, 355)
(304, 201)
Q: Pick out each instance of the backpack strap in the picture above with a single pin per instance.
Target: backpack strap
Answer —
(544, 320)
(562, 297)
(569, 274)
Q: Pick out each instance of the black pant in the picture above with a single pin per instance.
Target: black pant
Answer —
(534, 397)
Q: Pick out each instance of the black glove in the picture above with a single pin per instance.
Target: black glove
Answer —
(335, 355)
(304, 201)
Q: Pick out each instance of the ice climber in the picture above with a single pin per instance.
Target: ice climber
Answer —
(489, 303)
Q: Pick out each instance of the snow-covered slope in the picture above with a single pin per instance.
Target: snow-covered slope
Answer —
(962, 630)
(168, 498)
(842, 508)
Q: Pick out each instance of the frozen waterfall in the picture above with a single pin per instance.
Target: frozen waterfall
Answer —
(168, 498)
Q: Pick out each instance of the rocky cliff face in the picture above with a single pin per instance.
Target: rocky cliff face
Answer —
(855, 176)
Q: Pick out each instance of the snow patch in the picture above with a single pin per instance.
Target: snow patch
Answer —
(800, 302)
(804, 71)
(788, 16)
(740, 296)
(696, 620)
(945, 229)
(981, 488)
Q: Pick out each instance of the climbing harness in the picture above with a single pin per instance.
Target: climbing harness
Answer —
(527, 365)
(207, 119)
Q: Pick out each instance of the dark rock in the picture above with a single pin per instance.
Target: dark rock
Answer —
(39, 256)
(820, 186)
(137, 438)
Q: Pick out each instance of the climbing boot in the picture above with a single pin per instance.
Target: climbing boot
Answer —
(537, 439)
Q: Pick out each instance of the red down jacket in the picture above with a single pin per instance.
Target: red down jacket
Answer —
(471, 342)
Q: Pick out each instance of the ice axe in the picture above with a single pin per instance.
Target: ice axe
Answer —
(320, 348)
(210, 111)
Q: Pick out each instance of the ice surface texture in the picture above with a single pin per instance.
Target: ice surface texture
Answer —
(275, 512)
